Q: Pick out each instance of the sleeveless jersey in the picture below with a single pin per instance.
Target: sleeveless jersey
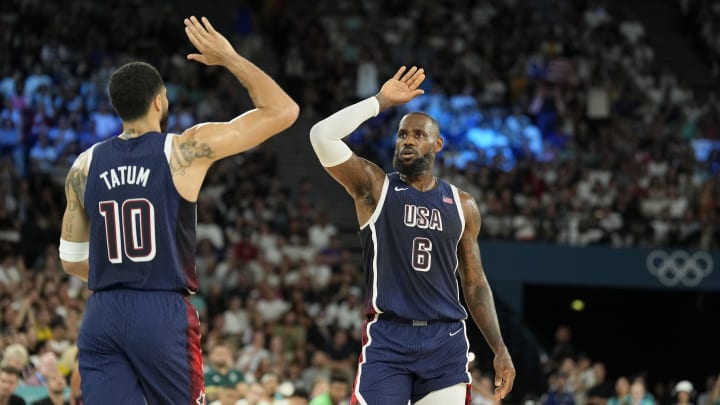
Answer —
(142, 232)
(410, 252)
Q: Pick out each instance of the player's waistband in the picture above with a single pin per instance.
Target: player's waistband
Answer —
(413, 322)
(184, 292)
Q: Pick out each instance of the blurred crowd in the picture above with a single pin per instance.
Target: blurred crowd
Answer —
(598, 149)
(556, 115)
(575, 378)
(703, 22)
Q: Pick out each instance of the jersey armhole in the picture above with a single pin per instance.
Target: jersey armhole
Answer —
(168, 146)
(167, 149)
(90, 155)
(379, 206)
(456, 196)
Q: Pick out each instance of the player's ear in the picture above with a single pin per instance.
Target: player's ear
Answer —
(157, 103)
(438, 143)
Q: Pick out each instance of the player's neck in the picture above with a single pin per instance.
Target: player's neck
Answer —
(422, 182)
(138, 128)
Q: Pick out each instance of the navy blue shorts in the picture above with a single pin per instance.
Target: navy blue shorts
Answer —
(140, 347)
(401, 361)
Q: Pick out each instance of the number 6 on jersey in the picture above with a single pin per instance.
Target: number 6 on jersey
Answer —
(421, 254)
(133, 227)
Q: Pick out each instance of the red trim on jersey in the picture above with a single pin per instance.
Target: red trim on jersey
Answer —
(365, 339)
(197, 384)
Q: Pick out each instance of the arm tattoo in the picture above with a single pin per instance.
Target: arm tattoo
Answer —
(77, 178)
(478, 295)
(359, 179)
(70, 214)
(185, 153)
(76, 181)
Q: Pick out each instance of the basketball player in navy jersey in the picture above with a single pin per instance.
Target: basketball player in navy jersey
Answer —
(129, 228)
(417, 233)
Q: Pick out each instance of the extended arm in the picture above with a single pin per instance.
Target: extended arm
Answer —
(479, 297)
(362, 179)
(198, 147)
(75, 233)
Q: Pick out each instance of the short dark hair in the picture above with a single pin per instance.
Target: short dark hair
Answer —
(132, 88)
(338, 376)
(11, 370)
(57, 322)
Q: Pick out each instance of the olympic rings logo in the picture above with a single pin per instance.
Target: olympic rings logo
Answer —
(679, 267)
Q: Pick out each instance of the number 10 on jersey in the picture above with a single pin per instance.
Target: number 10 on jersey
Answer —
(130, 229)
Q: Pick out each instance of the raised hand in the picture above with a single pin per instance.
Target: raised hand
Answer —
(214, 48)
(401, 88)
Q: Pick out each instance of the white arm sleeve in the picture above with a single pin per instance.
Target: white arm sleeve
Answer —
(73, 251)
(326, 135)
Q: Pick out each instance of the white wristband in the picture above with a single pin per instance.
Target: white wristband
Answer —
(74, 251)
(326, 135)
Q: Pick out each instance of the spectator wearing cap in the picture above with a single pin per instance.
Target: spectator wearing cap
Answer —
(683, 393)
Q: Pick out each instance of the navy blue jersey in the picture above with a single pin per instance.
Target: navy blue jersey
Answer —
(410, 252)
(142, 232)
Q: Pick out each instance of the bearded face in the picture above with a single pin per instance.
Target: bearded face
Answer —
(412, 167)
(416, 144)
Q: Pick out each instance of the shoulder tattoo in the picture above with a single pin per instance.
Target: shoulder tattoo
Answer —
(184, 153)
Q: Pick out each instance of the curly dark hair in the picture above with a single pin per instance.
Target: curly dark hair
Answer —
(132, 88)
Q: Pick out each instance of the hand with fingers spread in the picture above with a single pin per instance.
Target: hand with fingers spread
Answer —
(401, 88)
(214, 48)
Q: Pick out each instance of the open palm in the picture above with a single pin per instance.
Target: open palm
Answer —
(213, 47)
(402, 87)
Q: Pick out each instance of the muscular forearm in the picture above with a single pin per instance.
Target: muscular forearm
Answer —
(479, 299)
(78, 269)
(263, 90)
